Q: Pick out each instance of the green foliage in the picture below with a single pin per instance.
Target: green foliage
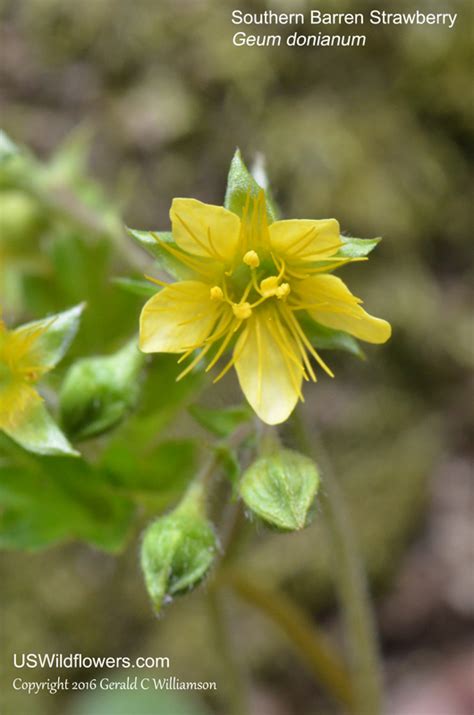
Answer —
(136, 286)
(280, 488)
(154, 476)
(98, 392)
(154, 243)
(53, 500)
(221, 422)
(325, 338)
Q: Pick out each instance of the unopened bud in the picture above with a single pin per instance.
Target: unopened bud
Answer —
(177, 551)
(97, 392)
(280, 488)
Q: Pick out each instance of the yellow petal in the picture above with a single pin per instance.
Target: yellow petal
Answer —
(269, 377)
(205, 230)
(305, 240)
(178, 318)
(334, 305)
(17, 399)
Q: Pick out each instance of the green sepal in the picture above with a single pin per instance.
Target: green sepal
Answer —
(240, 185)
(56, 335)
(39, 433)
(280, 488)
(221, 422)
(177, 551)
(136, 286)
(152, 242)
(357, 247)
(97, 392)
(324, 338)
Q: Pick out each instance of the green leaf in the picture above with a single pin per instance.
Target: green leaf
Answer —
(39, 433)
(97, 392)
(357, 247)
(221, 422)
(324, 338)
(57, 500)
(280, 488)
(157, 475)
(241, 184)
(149, 241)
(136, 286)
(60, 330)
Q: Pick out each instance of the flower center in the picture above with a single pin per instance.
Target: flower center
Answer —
(253, 281)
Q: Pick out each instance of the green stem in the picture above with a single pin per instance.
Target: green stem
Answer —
(233, 677)
(310, 644)
(351, 582)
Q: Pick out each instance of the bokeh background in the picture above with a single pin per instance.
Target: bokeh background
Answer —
(378, 137)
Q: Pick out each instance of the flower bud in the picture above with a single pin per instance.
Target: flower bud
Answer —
(97, 392)
(280, 488)
(21, 221)
(177, 551)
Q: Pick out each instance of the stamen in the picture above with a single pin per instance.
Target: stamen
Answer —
(224, 344)
(268, 286)
(242, 311)
(297, 329)
(282, 291)
(216, 293)
(251, 259)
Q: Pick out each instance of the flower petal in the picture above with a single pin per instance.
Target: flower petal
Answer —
(17, 399)
(205, 230)
(178, 318)
(305, 240)
(269, 377)
(340, 309)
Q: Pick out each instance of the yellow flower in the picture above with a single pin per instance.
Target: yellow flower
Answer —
(250, 282)
(20, 369)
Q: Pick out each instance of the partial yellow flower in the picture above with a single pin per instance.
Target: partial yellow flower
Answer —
(252, 281)
(20, 369)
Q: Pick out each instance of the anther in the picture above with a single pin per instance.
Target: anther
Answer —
(216, 293)
(282, 291)
(251, 259)
(269, 286)
(242, 311)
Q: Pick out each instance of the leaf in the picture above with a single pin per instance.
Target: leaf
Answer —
(241, 184)
(57, 500)
(159, 474)
(149, 241)
(325, 338)
(280, 488)
(221, 422)
(59, 332)
(40, 434)
(136, 286)
(357, 247)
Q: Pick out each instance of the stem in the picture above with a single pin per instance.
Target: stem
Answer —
(233, 678)
(310, 644)
(351, 583)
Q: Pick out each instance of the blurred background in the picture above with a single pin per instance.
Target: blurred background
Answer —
(125, 105)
